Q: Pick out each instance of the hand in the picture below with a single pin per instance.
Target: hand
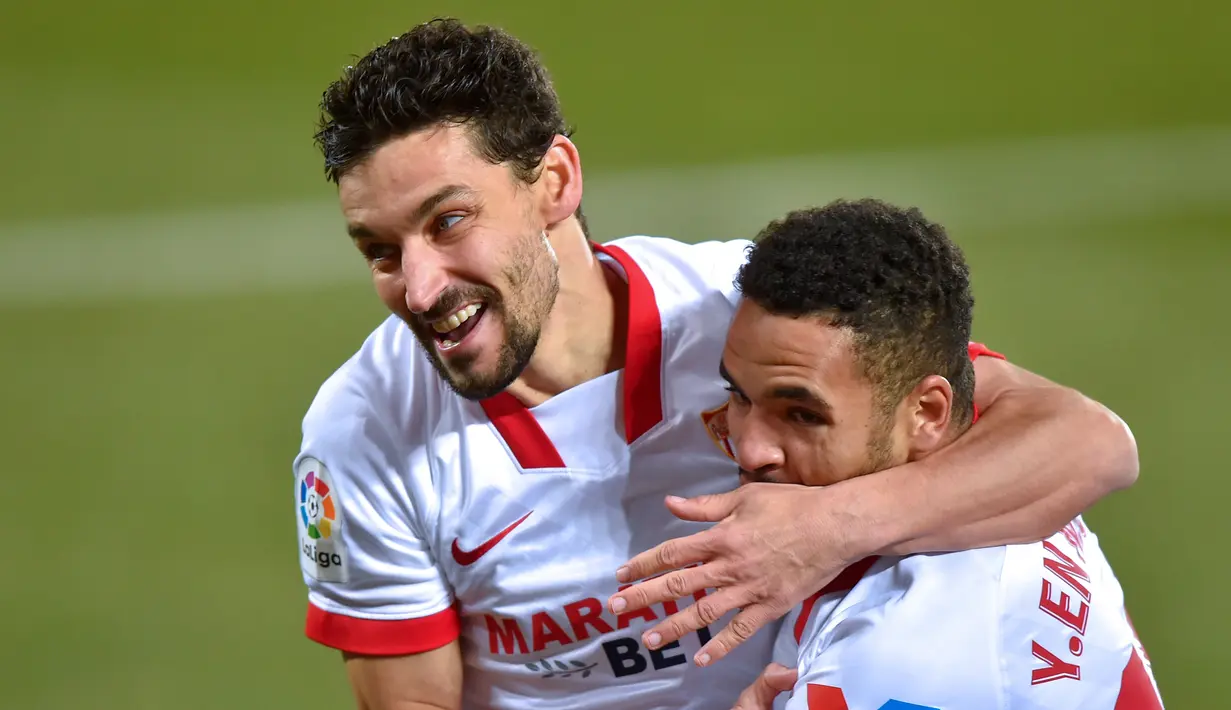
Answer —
(775, 545)
(775, 679)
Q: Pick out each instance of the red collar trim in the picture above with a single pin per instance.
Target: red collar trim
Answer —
(844, 582)
(642, 390)
(527, 441)
(977, 350)
(643, 405)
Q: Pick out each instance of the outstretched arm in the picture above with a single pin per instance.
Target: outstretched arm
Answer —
(1039, 455)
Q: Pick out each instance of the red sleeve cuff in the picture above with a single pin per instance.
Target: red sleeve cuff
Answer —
(977, 349)
(373, 637)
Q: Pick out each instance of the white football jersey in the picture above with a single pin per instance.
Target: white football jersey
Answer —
(424, 516)
(1039, 627)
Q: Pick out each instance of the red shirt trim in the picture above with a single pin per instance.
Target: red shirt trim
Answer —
(844, 582)
(1137, 689)
(643, 403)
(643, 407)
(521, 431)
(979, 349)
(976, 350)
(371, 637)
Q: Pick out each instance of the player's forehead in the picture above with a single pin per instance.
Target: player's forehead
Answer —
(406, 170)
(764, 351)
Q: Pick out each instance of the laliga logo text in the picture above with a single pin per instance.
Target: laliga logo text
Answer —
(319, 516)
(324, 560)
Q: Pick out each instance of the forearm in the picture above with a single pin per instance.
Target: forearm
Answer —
(1032, 463)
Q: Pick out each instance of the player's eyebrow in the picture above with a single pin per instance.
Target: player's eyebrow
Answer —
(421, 211)
(358, 231)
(794, 393)
(803, 395)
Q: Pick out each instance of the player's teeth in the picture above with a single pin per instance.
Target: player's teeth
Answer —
(455, 320)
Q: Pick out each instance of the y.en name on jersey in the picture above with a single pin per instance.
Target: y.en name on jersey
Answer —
(1060, 569)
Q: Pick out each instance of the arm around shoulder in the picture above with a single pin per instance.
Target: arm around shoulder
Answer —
(1100, 452)
(1039, 455)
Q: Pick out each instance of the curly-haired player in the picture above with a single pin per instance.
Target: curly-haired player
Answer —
(850, 354)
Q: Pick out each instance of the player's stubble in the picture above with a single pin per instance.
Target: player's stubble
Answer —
(533, 281)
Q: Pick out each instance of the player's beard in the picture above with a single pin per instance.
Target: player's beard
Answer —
(880, 444)
(533, 282)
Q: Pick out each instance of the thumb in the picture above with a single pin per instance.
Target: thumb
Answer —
(760, 695)
(703, 509)
(779, 677)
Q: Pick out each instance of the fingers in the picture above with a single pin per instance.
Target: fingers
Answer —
(704, 613)
(668, 587)
(704, 509)
(775, 679)
(746, 623)
(668, 556)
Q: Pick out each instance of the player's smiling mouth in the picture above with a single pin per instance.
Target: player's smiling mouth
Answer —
(451, 330)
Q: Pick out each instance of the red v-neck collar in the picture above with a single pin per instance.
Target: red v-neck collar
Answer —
(642, 390)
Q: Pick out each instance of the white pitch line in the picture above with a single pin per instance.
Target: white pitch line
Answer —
(1006, 184)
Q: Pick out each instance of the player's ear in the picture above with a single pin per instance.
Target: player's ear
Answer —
(559, 183)
(931, 405)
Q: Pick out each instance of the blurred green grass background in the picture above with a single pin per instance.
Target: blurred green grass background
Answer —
(151, 560)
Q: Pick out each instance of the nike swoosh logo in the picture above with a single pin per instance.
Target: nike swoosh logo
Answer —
(469, 557)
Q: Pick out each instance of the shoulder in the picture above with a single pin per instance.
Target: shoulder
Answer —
(371, 423)
(918, 629)
(371, 393)
(708, 267)
(1065, 637)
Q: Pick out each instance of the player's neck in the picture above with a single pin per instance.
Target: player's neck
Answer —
(584, 336)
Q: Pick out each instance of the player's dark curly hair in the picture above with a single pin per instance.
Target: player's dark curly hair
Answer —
(887, 273)
(442, 72)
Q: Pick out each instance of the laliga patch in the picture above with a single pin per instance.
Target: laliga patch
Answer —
(715, 421)
(319, 516)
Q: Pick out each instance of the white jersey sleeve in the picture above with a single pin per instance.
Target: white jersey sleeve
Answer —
(374, 586)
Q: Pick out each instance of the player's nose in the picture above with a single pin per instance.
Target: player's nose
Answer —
(756, 448)
(424, 274)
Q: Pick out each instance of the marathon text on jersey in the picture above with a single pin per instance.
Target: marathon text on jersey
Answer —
(554, 631)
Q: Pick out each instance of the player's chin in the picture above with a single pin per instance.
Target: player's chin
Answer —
(477, 372)
(474, 383)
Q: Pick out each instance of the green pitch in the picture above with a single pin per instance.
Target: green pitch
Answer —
(146, 440)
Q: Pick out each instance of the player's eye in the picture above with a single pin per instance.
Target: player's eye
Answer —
(806, 417)
(444, 222)
(736, 396)
(377, 253)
